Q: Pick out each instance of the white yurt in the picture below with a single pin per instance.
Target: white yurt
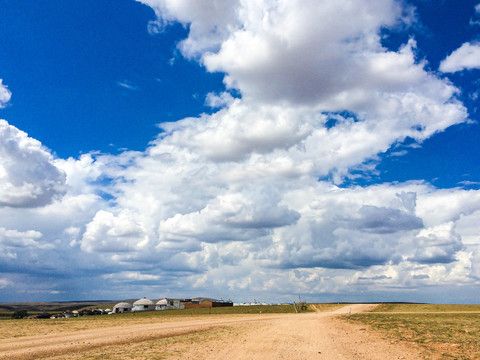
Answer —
(122, 307)
(143, 305)
(161, 304)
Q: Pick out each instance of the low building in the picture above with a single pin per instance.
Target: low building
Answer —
(122, 307)
(143, 305)
(222, 303)
(206, 303)
(161, 304)
(168, 304)
(196, 304)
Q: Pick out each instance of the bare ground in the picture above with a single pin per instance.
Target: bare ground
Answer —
(319, 335)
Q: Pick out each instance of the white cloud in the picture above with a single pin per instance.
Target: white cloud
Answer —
(14, 238)
(293, 54)
(229, 217)
(219, 100)
(110, 233)
(466, 57)
(127, 85)
(4, 283)
(474, 20)
(210, 21)
(5, 94)
(290, 67)
(236, 193)
(131, 275)
(28, 175)
(232, 201)
(437, 245)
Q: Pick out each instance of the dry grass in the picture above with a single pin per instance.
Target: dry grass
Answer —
(324, 307)
(426, 308)
(29, 327)
(170, 347)
(52, 307)
(155, 349)
(32, 327)
(446, 331)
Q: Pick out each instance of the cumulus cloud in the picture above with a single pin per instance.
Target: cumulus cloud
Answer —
(108, 232)
(286, 51)
(14, 238)
(28, 174)
(384, 220)
(45, 204)
(232, 200)
(474, 20)
(290, 68)
(237, 192)
(437, 245)
(230, 217)
(218, 100)
(16, 245)
(209, 21)
(466, 57)
(5, 94)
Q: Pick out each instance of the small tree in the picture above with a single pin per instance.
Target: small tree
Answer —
(19, 314)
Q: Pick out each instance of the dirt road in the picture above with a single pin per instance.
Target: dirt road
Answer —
(319, 335)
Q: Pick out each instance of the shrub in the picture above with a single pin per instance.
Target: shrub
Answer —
(19, 314)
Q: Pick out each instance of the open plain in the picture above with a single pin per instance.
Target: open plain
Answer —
(326, 332)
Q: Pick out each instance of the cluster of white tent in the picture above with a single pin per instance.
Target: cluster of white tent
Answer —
(148, 305)
(169, 303)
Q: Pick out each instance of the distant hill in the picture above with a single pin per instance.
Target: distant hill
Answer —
(33, 307)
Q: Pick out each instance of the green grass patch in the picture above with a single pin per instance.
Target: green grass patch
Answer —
(256, 309)
(28, 327)
(418, 308)
(448, 331)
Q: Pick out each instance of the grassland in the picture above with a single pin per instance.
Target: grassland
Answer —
(445, 331)
(141, 335)
(171, 334)
(57, 307)
(154, 349)
(12, 328)
(6, 309)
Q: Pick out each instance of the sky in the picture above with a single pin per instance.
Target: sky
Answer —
(254, 149)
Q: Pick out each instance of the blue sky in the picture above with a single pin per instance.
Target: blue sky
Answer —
(240, 149)
(89, 72)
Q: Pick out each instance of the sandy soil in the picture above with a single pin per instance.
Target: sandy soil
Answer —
(319, 335)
